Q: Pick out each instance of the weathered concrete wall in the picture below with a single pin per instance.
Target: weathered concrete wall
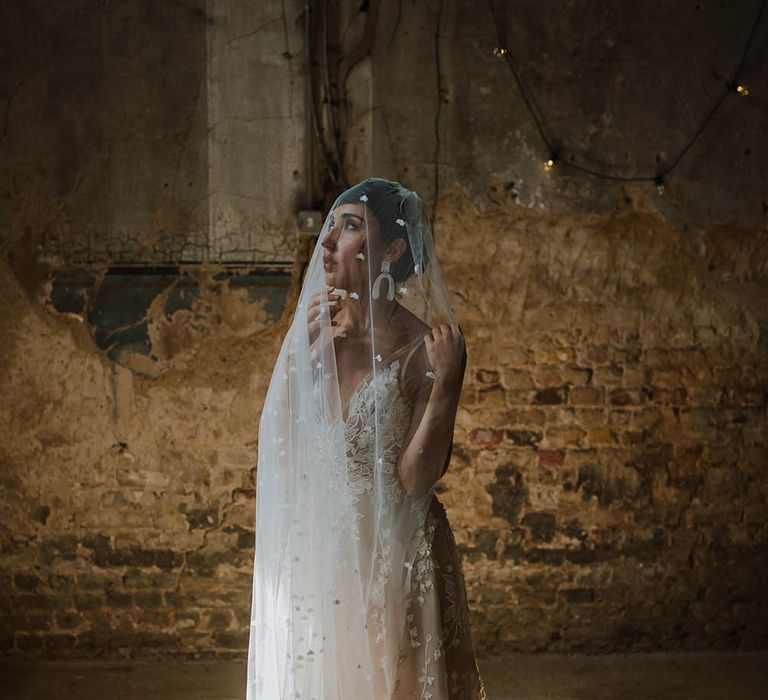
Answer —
(153, 132)
(614, 88)
(608, 484)
(99, 161)
(257, 136)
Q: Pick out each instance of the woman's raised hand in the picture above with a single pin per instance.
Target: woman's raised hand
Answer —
(314, 318)
(447, 354)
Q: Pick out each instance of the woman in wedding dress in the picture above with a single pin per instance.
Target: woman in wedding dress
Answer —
(358, 592)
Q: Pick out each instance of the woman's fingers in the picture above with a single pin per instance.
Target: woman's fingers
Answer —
(315, 307)
(443, 330)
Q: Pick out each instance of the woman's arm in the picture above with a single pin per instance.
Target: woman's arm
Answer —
(430, 435)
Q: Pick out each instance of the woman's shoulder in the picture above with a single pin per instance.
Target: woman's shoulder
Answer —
(411, 324)
(415, 363)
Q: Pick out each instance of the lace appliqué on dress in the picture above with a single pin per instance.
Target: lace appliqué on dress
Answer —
(445, 661)
(379, 396)
(435, 660)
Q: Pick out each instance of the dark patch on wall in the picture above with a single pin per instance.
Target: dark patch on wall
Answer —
(117, 305)
(541, 525)
(509, 493)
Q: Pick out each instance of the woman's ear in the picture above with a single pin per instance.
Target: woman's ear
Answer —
(396, 249)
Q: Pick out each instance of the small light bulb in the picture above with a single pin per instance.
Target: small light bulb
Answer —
(499, 51)
(742, 90)
(549, 164)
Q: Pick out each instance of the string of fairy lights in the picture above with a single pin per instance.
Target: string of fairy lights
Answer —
(736, 86)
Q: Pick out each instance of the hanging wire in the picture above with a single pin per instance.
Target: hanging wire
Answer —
(502, 51)
(329, 166)
(342, 178)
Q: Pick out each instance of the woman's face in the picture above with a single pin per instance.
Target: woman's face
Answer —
(345, 238)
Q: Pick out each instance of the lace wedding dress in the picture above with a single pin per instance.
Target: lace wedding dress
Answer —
(358, 591)
(435, 658)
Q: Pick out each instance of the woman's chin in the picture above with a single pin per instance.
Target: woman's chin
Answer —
(332, 278)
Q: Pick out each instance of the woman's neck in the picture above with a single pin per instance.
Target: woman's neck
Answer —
(357, 319)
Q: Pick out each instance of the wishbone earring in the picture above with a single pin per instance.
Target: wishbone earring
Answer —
(384, 274)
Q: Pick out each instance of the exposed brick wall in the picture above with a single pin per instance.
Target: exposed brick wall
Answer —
(607, 487)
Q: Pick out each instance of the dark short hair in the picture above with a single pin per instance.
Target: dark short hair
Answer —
(389, 202)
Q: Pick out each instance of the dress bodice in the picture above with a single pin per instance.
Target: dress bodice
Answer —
(377, 402)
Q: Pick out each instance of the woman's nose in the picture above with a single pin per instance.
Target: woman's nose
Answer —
(329, 239)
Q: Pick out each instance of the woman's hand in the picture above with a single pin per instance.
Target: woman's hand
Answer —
(314, 320)
(447, 354)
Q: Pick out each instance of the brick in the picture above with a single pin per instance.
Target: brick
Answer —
(600, 436)
(542, 525)
(492, 397)
(487, 437)
(31, 622)
(526, 417)
(135, 555)
(549, 355)
(524, 437)
(516, 356)
(589, 418)
(202, 518)
(586, 395)
(519, 397)
(566, 436)
(31, 602)
(231, 640)
(218, 620)
(487, 376)
(577, 376)
(27, 582)
(148, 578)
(62, 548)
(610, 375)
(625, 397)
(551, 395)
(189, 620)
(492, 595)
(117, 599)
(541, 555)
(147, 599)
(517, 379)
(61, 582)
(540, 596)
(154, 618)
(579, 596)
(547, 376)
(29, 642)
(88, 601)
(552, 457)
(68, 620)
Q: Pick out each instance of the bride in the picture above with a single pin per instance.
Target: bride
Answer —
(358, 591)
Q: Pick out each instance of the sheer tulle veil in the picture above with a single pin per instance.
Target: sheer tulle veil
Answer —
(336, 530)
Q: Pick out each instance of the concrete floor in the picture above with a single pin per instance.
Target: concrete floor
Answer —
(701, 676)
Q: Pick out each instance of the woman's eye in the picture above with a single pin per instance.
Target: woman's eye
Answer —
(351, 226)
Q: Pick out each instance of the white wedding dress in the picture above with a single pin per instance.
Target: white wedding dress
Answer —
(435, 657)
(358, 591)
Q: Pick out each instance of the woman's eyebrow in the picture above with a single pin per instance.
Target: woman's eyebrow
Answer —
(347, 215)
